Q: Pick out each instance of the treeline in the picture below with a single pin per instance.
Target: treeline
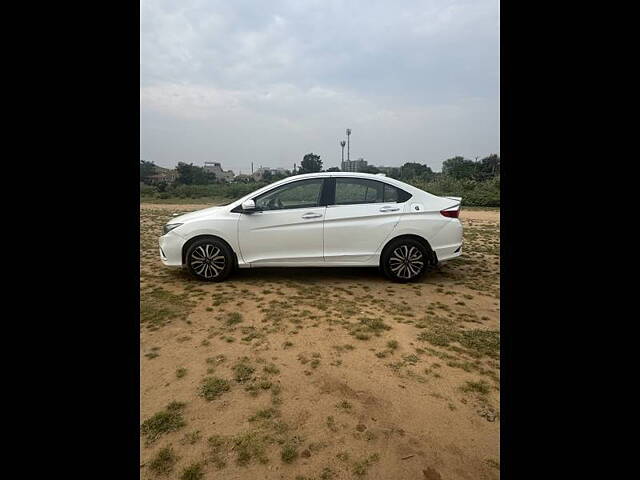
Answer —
(477, 182)
(217, 190)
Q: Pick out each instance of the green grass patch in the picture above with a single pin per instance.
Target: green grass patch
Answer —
(168, 420)
(158, 307)
(289, 453)
(233, 318)
(163, 462)
(243, 371)
(481, 387)
(212, 387)
(249, 446)
(195, 471)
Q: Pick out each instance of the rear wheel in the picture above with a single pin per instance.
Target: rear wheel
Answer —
(209, 260)
(404, 260)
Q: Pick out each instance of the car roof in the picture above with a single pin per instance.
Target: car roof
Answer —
(341, 174)
(370, 176)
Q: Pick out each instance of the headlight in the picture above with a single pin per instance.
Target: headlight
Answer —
(170, 226)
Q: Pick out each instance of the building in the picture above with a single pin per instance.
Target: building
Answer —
(161, 175)
(243, 178)
(260, 173)
(216, 169)
(169, 176)
(353, 165)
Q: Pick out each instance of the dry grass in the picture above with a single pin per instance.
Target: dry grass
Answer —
(321, 373)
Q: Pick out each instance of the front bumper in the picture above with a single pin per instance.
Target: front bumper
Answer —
(170, 249)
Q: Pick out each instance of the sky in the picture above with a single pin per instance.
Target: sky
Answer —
(269, 81)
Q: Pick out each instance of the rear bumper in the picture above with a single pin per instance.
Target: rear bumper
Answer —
(448, 252)
(170, 250)
(447, 244)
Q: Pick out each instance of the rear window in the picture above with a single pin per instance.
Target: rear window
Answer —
(351, 191)
(390, 193)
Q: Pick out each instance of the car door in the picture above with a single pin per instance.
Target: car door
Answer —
(286, 228)
(359, 220)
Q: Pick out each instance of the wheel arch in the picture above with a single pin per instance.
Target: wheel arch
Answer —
(433, 257)
(191, 241)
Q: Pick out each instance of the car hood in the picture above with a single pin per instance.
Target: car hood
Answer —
(205, 212)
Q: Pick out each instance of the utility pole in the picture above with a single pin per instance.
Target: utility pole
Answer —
(342, 144)
(251, 168)
(348, 145)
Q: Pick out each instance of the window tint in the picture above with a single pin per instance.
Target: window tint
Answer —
(302, 194)
(358, 190)
(390, 193)
(351, 191)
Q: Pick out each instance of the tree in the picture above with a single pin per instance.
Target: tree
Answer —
(488, 168)
(459, 168)
(146, 170)
(370, 169)
(394, 173)
(189, 174)
(416, 170)
(311, 163)
(280, 175)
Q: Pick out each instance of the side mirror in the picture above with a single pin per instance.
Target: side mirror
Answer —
(248, 206)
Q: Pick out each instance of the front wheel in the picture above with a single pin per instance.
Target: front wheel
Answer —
(209, 260)
(404, 260)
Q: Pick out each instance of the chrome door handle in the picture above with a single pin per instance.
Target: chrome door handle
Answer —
(389, 209)
(311, 215)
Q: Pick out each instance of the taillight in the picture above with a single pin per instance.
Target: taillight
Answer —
(450, 213)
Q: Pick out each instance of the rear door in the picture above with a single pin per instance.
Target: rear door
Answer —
(286, 229)
(361, 217)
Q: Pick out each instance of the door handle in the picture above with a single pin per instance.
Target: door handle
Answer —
(389, 209)
(311, 215)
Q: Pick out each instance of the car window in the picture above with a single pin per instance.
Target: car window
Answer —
(351, 191)
(302, 194)
(390, 193)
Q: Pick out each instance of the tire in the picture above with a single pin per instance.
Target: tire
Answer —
(404, 260)
(210, 260)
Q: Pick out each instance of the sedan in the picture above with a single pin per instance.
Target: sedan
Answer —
(328, 219)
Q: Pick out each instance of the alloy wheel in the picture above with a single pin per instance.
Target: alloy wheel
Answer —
(207, 261)
(406, 261)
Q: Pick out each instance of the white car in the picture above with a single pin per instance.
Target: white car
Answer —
(328, 219)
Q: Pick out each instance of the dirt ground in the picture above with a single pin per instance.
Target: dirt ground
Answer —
(331, 373)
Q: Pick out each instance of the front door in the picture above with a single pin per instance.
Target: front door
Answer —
(286, 228)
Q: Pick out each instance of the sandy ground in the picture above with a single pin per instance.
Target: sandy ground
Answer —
(332, 373)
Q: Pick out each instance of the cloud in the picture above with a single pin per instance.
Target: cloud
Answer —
(237, 81)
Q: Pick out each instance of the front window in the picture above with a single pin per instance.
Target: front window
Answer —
(302, 194)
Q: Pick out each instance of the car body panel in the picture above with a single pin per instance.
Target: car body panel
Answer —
(274, 236)
(344, 235)
(353, 233)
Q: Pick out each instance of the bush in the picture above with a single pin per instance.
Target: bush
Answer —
(147, 190)
(474, 193)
